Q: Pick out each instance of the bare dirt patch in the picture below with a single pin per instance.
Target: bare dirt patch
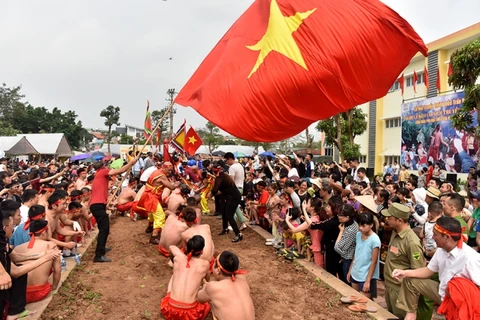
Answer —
(132, 285)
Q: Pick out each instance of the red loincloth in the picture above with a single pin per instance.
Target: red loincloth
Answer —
(176, 310)
(212, 263)
(125, 207)
(163, 251)
(38, 292)
(461, 302)
(140, 211)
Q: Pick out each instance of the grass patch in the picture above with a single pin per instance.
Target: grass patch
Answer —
(92, 295)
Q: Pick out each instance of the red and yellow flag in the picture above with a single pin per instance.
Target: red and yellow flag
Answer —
(287, 63)
(192, 141)
(178, 139)
(147, 126)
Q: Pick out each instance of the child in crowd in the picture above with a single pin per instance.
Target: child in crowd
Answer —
(435, 211)
(365, 268)
(293, 239)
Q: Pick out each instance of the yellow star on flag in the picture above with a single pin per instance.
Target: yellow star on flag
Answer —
(192, 140)
(278, 37)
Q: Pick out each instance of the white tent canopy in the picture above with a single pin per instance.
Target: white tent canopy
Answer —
(49, 143)
(247, 150)
(16, 145)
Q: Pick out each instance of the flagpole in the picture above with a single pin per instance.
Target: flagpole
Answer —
(148, 141)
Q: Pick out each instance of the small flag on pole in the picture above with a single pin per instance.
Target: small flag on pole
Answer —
(148, 122)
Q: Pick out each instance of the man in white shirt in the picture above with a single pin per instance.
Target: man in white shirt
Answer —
(237, 173)
(354, 168)
(453, 258)
(29, 198)
(290, 189)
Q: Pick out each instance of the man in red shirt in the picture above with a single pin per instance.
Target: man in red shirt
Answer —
(98, 205)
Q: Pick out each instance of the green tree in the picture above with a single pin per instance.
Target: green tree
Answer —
(125, 139)
(112, 117)
(9, 98)
(6, 129)
(211, 136)
(165, 124)
(466, 71)
(341, 130)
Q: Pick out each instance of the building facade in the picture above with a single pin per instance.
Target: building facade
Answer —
(382, 141)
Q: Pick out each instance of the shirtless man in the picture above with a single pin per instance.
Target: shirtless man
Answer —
(18, 271)
(82, 179)
(204, 231)
(38, 286)
(177, 198)
(126, 197)
(230, 282)
(56, 207)
(45, 192)
(174, 227)
(192, 202)
(189, 271)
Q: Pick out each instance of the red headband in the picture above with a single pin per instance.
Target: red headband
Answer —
(46, 189)
(32, 236)
(189, 256)
(76, 197)
(73, 210)
(34, 218)
(450, 233)
(230, 272)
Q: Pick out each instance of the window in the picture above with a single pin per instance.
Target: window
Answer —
(393, 123)
(392, 159)
(362, 159)
(410, 81)
(395, 86)
(420, 78)
(329, 151)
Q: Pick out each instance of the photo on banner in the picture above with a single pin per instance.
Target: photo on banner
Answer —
(428, 135)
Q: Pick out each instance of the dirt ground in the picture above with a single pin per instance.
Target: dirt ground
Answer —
(132, 285)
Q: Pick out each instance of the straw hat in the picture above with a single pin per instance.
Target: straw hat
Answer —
(433, 192)
(367, 202)
(316, 182)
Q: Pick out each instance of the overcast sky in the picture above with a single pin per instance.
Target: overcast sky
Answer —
(85, 55)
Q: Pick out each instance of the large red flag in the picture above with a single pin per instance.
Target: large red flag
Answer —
(401, 81)
(415, 79)
(438, 80)
(192, 141)
(425, 77)
(285, 64)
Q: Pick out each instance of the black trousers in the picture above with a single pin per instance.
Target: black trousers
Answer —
(219, 203)
(99, 211)
(15, 297)
(228, 214)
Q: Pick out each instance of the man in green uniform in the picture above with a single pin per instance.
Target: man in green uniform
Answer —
(452, 207)
(404, 252)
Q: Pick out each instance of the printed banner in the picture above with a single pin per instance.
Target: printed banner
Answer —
(428, 136)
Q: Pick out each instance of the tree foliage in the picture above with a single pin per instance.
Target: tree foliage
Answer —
(466, 70)
(211, 136)
(21, 117)
(112, 117)
(341, 130)
(165, 124)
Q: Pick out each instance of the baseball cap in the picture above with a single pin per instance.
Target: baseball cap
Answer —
(398, 211)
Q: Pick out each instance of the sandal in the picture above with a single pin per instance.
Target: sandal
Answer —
(361, 308)
(26, 314)
(282, 252)
(354, 299)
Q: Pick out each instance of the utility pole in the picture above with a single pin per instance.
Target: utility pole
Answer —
(171, 93)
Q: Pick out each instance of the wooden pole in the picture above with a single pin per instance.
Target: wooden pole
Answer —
(143, 148)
